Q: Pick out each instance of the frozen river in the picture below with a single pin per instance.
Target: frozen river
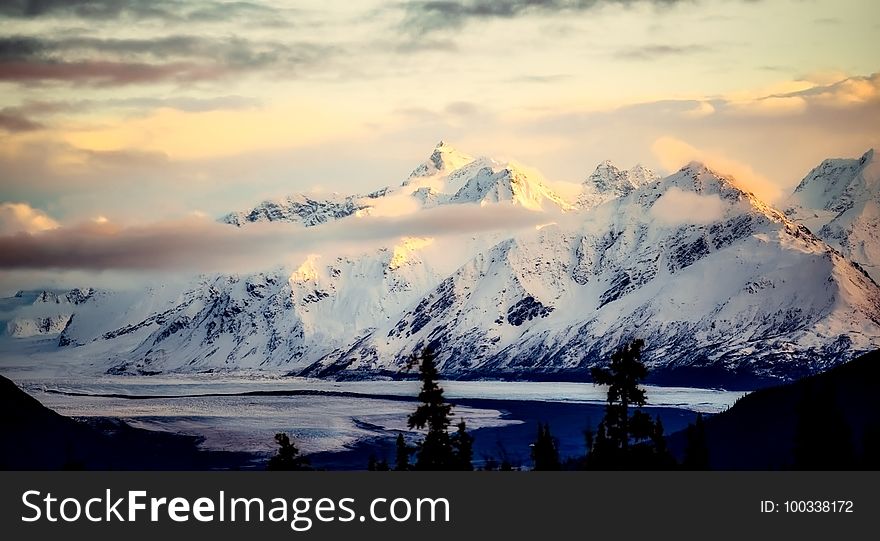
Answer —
(242, 413)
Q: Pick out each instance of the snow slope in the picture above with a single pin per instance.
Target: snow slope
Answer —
(723, 288)
(609, 182)
(840, 201)
(751, 292)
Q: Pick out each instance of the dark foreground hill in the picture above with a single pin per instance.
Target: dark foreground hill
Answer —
(826, 421)
(33, 437)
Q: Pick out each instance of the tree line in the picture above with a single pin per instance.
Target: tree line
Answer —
(626, 438)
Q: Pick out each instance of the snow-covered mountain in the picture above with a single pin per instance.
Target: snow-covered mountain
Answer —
(722, 287)
(840, 201)
(448, 176)
(749, 293)
(305, 209)
(609, 182)
(42, 313)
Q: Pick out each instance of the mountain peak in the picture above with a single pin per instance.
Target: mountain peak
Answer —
(511, 183)
(605, 167)
(696, 167)
(836, 182)
(840, 200)
(607, 178)
(444, 158)
(700, 178)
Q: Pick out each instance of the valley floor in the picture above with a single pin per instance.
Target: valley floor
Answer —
(340, 424)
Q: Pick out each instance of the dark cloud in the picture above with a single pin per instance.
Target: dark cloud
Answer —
(168, 10)
(430, 15)
(17, 47)
(231, 50)
(203, 245)
(183, 103)
(179, 58)
(102, 73)
(89, 9)
(13, 121)
(649, 53)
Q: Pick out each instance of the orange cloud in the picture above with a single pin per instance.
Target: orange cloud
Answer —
(189, 135)
(674, 153)
(770, 106)
(22, 218)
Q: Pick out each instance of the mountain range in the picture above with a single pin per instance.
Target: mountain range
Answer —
(724, 288)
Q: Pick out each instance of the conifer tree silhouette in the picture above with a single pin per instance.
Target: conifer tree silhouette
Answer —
(463, 447)
(545, 450)
(627, 440)
(287, 457)
(401, 460)
(436, 451)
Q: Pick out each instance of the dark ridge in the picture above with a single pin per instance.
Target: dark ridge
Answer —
(36, 438)
(758, 432)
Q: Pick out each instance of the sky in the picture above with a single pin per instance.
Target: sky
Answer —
(132, 113)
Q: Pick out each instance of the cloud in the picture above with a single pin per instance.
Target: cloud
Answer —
(769, 106)
(87, 9)
(189, 104)
(848, 92)
(650, 53)
(228, 50)
(99, 10)
(431, 15)
(12, 121)
(797, 126)
(700, 110)
(818, 89)
(183, 135)
(412, 46)
(125, 158)
(195, 244)
(22, 218)
(180, 58)
(540, 79)
(462, 108)
(102, 73)
(678, 207)
(673, 153)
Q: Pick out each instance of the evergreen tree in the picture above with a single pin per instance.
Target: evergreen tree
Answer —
(401, 461)
(624, 440)
(463, 447)
(696, 451)
(545, 450)
(663, 458)
(287, 457)
(435, 451)
(622, 377)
